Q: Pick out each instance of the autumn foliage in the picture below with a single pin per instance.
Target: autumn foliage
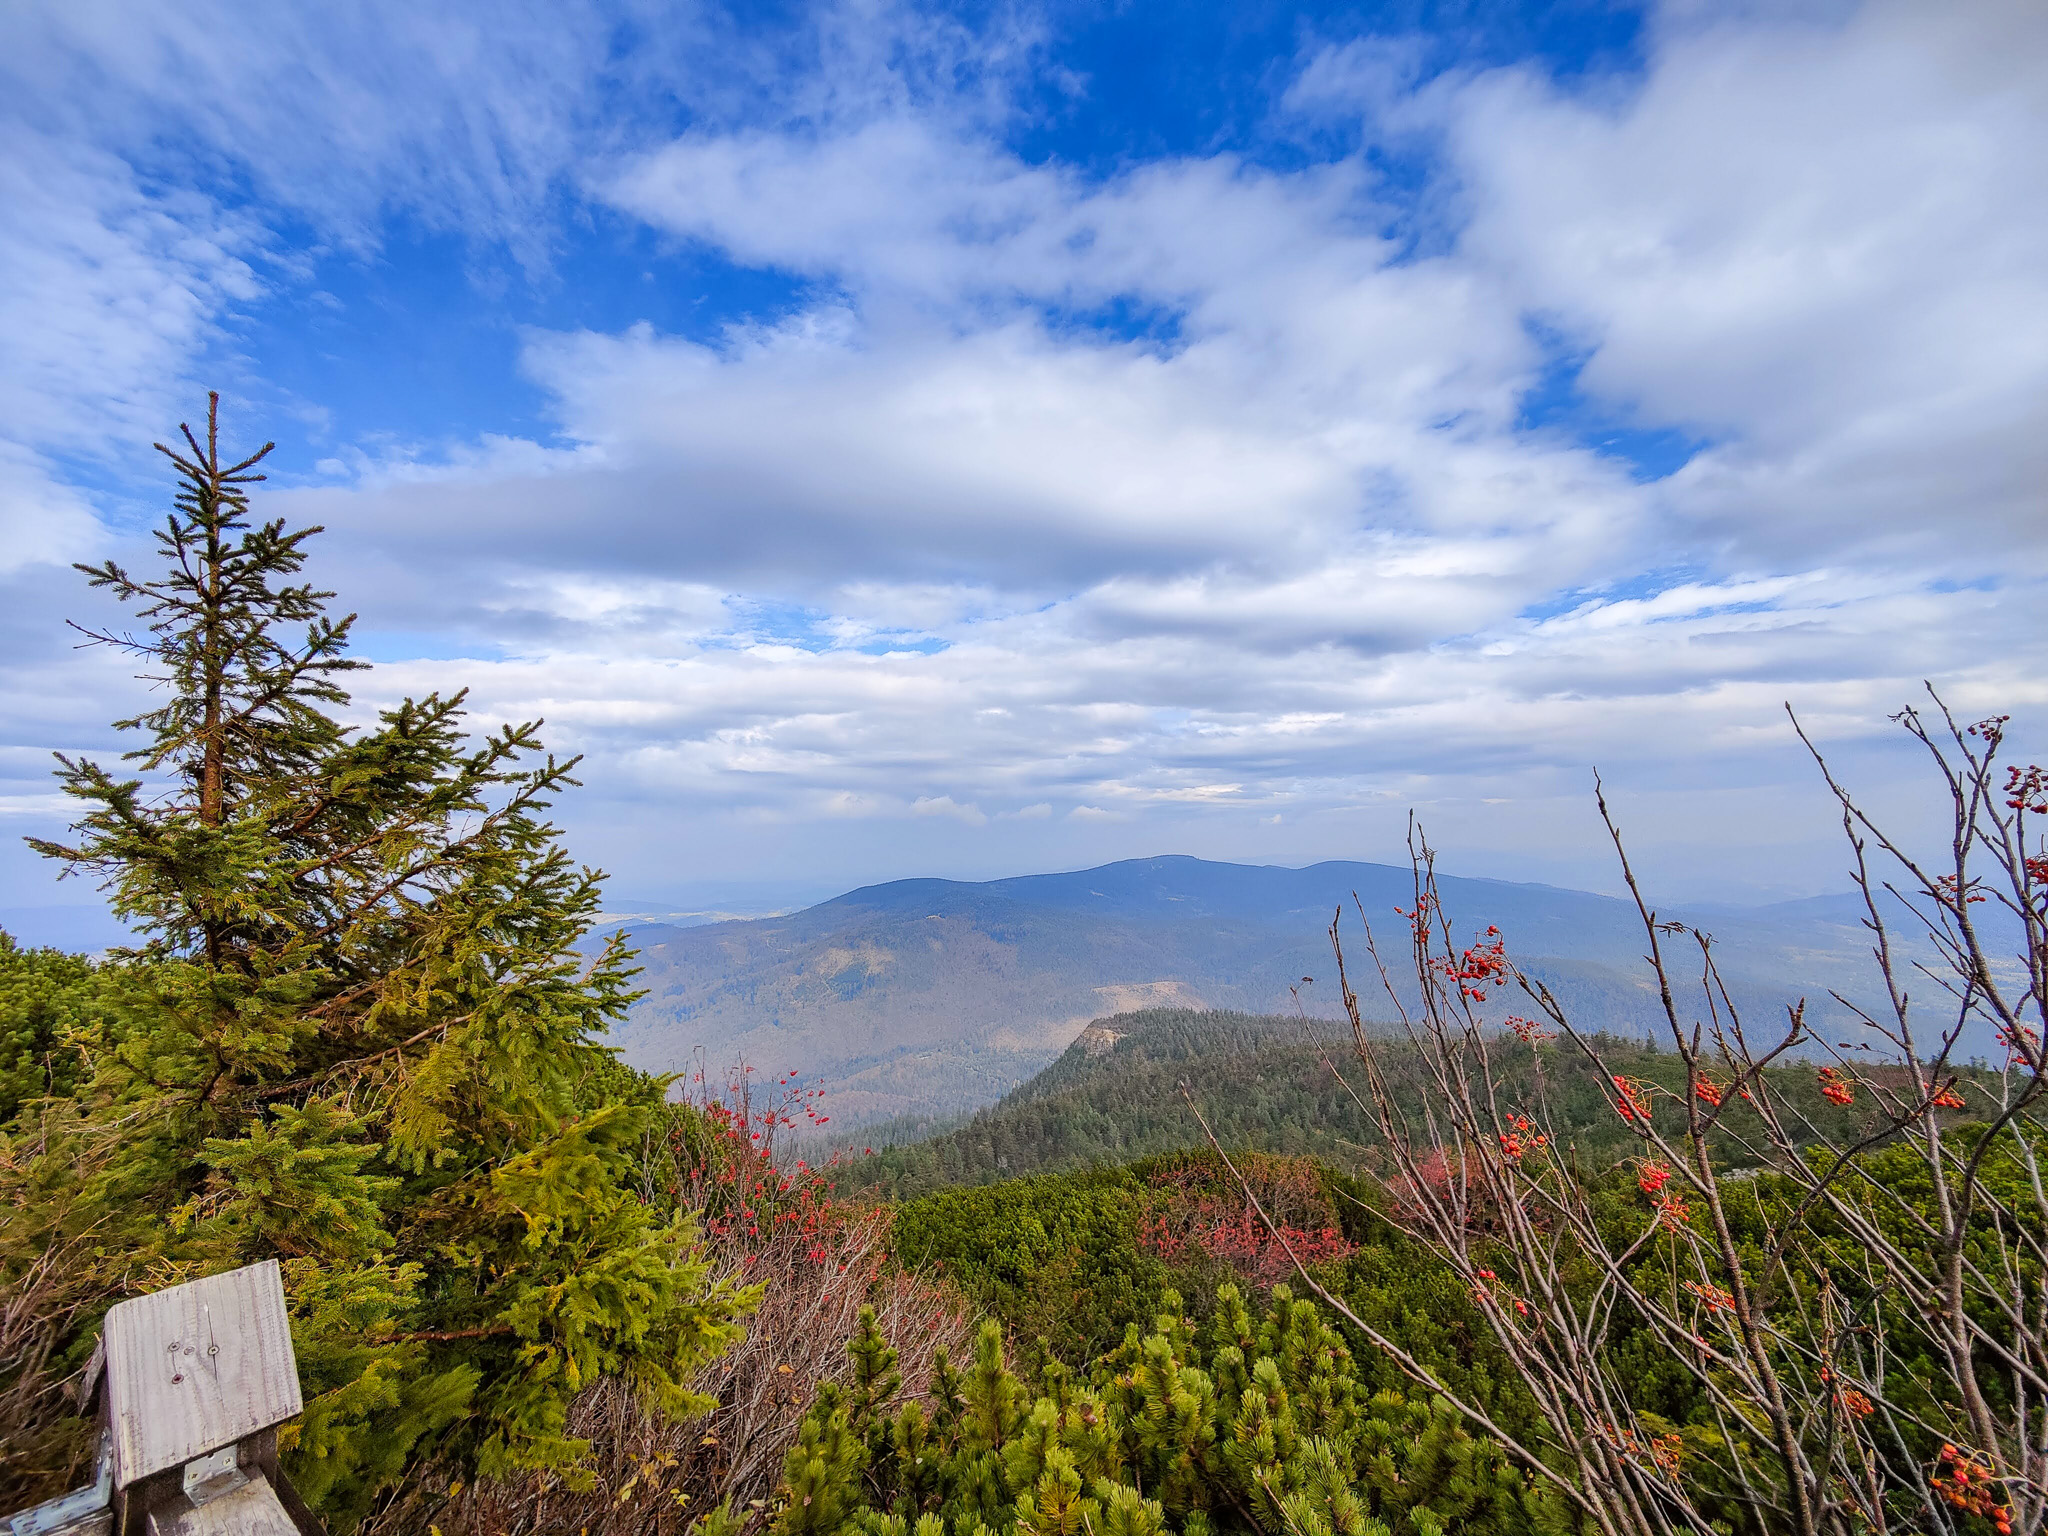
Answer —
(1834, 1272)
(1194, 1213)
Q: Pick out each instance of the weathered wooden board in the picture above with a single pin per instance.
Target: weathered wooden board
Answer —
(196, 1367)
(250, 1510)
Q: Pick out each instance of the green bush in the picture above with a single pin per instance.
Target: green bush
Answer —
(1240, 1426)
(46, 998)
(1056, 1257)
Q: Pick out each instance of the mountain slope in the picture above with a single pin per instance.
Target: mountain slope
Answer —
(1130, 1087)
(933, 996)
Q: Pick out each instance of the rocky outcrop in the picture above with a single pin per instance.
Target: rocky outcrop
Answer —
(1097, 1039)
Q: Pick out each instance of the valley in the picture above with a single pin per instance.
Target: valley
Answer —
(931, 998)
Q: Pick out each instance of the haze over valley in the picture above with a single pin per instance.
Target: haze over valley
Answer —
(932, 997)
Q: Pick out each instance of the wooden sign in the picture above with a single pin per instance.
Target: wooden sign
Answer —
(192, 1383)
(198, 1367)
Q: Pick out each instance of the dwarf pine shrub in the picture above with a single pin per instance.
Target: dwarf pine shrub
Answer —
(1245, 1425)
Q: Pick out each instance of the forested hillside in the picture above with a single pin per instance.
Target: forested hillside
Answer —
(1266, 1083)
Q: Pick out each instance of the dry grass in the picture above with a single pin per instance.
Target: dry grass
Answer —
(44, 1444)
(654, 1477)
(50, 1284)
(821, 1259)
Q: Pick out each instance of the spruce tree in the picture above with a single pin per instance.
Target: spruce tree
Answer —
(356, 1036)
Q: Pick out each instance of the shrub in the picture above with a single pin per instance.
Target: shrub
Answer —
(1243, 1426)
(821, 1264)
(1848, 1335)
(1056, 1257)
(47, 999)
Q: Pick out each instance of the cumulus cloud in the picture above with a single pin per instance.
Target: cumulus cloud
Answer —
(944, 805)
(1061, 514)
(1813, 241)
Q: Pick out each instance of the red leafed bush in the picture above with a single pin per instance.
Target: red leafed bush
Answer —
(1198, 1213)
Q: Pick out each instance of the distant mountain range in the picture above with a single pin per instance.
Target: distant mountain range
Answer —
(933, 997)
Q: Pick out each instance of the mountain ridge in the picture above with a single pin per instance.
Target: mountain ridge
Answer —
(928, 996)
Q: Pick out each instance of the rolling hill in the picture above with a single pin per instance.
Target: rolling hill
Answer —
(934, 997)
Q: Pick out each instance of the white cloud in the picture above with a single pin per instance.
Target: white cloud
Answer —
(465, 120)
(1820, 242)
(934, 541)
(846, 803)
(107, 290)
(42, 520)
(945, 805)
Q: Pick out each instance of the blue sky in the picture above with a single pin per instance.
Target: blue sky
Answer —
(894, 439)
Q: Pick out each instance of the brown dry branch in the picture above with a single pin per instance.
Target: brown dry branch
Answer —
(820, 1258)
(1793, 1299)
(46, 1442)
(49, 1281)
(656, 1476)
